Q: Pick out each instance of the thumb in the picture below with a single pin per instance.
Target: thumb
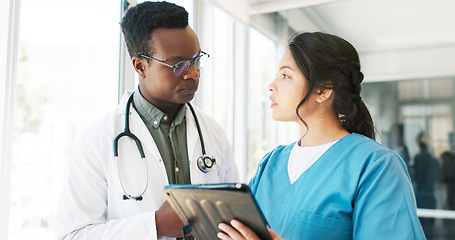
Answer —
(273, 233)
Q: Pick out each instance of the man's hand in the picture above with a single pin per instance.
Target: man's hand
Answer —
(168, 222)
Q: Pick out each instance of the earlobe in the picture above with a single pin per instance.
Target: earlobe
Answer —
(140, 66)
(323, 94)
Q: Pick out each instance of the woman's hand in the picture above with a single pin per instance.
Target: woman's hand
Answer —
(238, 231)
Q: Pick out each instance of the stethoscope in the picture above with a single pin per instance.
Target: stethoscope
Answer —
(204, 162)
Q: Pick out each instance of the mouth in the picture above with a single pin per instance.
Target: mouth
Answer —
(273, 103)
(189, 90)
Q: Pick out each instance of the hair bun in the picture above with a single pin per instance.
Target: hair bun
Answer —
(360, 77)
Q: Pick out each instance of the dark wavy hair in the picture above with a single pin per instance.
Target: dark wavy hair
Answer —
(141, 20)
(330, 62)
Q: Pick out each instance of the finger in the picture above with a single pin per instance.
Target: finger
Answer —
(223, 236)
(273, 234)
(230, 231)
(244, 230)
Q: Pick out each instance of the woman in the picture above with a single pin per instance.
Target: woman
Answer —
(335, 182)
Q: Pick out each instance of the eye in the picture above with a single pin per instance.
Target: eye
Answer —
(285, 76)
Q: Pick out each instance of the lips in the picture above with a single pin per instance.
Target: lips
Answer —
(273, 102)
(189, 90)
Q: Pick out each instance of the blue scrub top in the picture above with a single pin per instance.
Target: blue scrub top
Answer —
(358, 189)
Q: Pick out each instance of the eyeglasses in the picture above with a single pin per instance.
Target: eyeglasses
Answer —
(181, 68)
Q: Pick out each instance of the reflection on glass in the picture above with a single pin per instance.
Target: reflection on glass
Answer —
(415, 118)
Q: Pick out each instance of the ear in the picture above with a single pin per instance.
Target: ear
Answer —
(140, 65)
(323, 94)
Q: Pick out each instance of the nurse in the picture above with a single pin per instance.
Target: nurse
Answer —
(121, 198)
(336, 181)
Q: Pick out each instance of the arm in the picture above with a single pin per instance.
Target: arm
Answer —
(385, 204)
(83, 207)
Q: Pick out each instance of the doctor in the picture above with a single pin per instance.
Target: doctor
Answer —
(120, 197)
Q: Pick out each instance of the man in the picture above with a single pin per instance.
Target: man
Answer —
(106, 197)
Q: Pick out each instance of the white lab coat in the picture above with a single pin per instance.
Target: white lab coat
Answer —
(91, 204)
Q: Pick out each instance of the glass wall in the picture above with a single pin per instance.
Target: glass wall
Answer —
(67, 77)
(416, 119)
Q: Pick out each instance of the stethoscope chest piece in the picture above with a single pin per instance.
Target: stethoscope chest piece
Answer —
(205, 163)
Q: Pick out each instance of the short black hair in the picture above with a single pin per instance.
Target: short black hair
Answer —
(141, 20)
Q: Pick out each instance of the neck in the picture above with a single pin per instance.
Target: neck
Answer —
(321, 131)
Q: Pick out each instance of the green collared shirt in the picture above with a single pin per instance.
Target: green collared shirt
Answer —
(169, 137)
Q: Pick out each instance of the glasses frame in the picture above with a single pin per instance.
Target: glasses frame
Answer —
(174, 67)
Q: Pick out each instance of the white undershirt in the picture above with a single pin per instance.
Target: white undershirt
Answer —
(302, 158)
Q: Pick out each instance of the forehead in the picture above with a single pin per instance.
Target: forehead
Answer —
(175, 42)
(287, 61)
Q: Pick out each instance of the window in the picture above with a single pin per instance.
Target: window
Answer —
(67, 76)
(262, 55)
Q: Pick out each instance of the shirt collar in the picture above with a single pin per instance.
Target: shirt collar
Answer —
(154, 115)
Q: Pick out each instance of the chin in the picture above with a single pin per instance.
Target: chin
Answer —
(275, 117)
(186, 98)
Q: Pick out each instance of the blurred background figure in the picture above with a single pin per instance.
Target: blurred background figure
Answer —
(426, 176)
(401, 147)
(448, 173)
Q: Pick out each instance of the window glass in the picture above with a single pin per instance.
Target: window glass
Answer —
(67, 78)
(415, 118)
(223, 52)
(262, 67)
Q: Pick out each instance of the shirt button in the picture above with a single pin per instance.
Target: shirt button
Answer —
(177, 169)
(155, 122)
(165, 118)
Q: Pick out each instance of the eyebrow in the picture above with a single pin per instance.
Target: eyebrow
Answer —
(285, 66)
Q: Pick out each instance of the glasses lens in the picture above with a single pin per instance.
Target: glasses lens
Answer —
(200, 61)
(181, 68)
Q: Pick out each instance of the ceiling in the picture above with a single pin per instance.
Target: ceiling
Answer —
(371, 25)
(396, 39)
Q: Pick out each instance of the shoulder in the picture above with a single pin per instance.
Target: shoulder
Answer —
(208, 122)
(278, 152)
(270, 161)
(103, 130)
(365, 146)
(204, 116)
(359, 154)
(275, 157)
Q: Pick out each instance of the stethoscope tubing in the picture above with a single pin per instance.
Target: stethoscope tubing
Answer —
(126, 132)
(202, 164)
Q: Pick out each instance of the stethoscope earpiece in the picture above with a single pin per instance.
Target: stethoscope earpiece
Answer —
(205, 163)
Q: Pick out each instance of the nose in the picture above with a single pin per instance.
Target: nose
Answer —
(271, 87)
(192, 73)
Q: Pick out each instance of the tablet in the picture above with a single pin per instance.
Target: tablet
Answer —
(202, 207)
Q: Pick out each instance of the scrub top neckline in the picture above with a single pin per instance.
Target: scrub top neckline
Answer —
(315, 164)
